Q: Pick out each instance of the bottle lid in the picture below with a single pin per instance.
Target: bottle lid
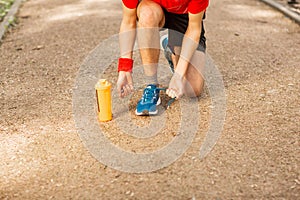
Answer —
(102, 84)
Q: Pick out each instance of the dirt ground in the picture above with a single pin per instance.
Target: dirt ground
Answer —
(257, 156)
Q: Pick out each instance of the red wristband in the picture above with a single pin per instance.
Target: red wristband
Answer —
(125, 64)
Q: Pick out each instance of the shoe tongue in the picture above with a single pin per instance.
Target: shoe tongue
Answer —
(150, 86)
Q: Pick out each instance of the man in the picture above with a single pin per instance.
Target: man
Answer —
(186, 41)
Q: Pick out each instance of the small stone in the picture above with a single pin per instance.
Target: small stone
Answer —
(292, 187)
(24, 16)
(273, 91)
(38, 47)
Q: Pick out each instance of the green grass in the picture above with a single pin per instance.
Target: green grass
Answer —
(4, 8)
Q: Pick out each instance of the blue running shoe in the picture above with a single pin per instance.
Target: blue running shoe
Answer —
(150, 99)
(167, 51)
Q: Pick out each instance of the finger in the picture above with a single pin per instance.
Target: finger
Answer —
(173, 94)
(128, 88)
(170, 93)
(120, 91)
(125, 93)
(131, 87)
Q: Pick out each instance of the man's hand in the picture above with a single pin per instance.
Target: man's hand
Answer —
(176, 86)
(125, 83)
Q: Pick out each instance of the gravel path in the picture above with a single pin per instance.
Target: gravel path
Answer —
(257, 156)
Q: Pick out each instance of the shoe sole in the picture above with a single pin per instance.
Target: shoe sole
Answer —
(147, 112)
(162, 48)
(162, 39)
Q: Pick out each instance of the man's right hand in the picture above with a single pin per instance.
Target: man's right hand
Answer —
(125, 84)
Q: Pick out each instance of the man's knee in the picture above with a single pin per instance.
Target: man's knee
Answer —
(194, 91)
(194, 88)
(150, 15)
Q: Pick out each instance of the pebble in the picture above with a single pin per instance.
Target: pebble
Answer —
(272, 91)
(38, 47)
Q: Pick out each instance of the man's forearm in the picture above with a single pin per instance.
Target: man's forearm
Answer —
(127, 33)
(127, 38)
(190, 43)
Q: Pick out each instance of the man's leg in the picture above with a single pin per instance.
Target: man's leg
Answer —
(194, 79)
(150, 19)
(195, 75)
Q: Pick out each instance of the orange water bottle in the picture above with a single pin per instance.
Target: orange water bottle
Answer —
(103, 95)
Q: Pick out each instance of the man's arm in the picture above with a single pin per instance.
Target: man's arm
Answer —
(127, 36)
(127, 32)
(189, 45)
(190, 42)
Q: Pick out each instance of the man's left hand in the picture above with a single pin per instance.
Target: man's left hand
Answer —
(176, 86)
